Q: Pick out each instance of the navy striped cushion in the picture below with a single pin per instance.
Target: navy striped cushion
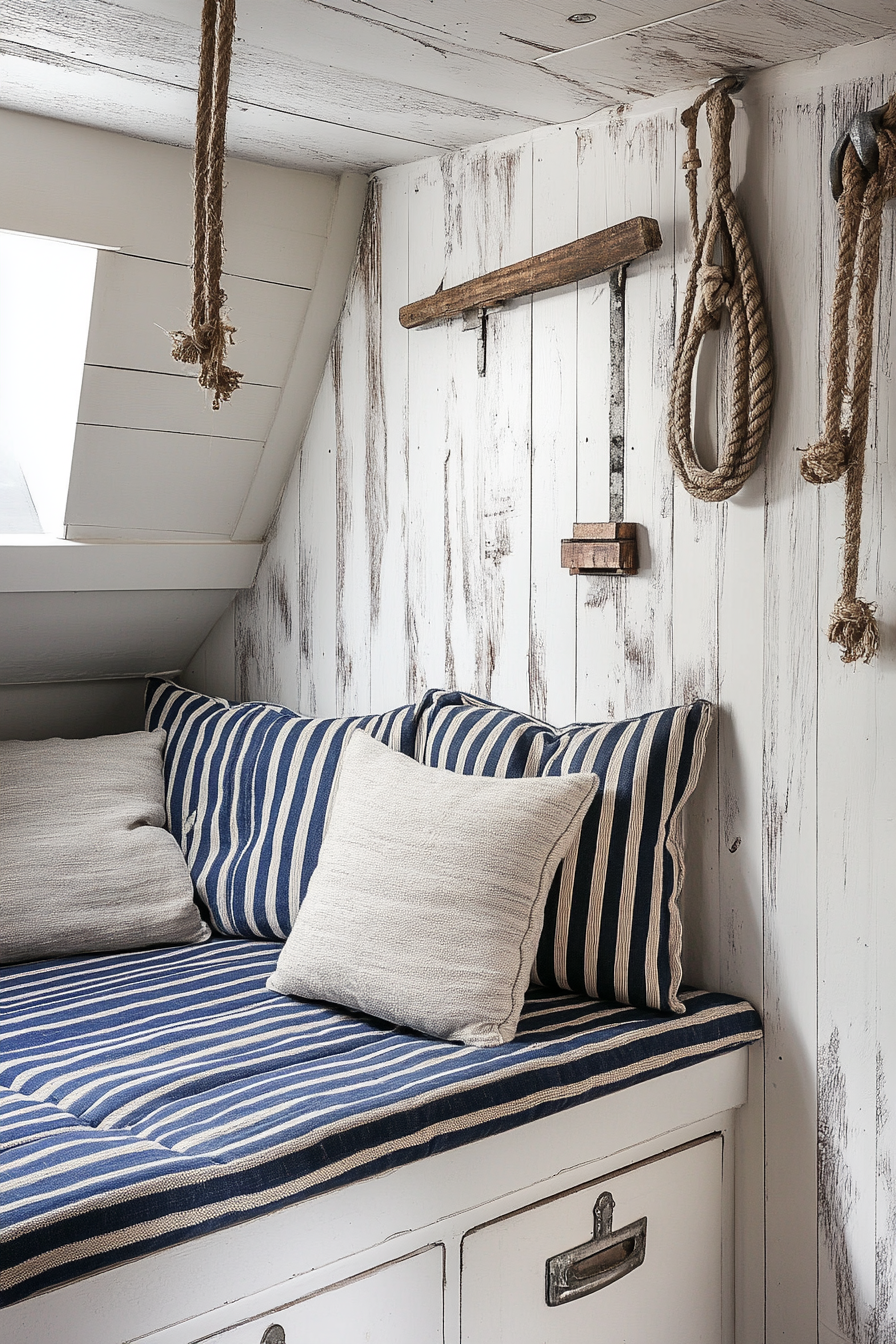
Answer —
(247, 789)
(612, 928)
(152, 1097)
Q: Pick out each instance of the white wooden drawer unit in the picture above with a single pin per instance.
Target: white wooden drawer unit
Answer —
(453, 1249)
(656, 1276)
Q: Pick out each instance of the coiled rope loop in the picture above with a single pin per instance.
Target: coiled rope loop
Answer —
(729, 284)
(841, 450)
(210, 334)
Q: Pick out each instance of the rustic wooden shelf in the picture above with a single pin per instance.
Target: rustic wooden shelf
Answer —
(600, 548)
(603, 251)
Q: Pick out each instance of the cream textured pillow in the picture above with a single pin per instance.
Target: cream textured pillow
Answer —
(85, 862)
(426, 904)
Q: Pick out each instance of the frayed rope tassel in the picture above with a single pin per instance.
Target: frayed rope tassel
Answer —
(854, 628)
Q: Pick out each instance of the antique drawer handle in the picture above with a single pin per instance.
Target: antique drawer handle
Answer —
(275, 1334)
(595, 1264)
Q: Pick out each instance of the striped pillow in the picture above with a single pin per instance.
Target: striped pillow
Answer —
(612, 927)
(247, 789)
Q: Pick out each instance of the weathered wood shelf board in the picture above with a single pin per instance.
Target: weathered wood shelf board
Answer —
(600, 548)
(602, 251)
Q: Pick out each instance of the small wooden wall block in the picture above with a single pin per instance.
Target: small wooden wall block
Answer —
(598, 252)
(600, 548)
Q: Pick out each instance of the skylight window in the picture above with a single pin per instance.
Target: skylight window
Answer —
(46, 288)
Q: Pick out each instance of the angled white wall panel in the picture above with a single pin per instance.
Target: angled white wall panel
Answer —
(137, 301)
(94, 186)
(134, 399)
(150, 481)
(72, 635)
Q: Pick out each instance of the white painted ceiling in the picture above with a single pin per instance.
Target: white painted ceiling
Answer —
(352, 84)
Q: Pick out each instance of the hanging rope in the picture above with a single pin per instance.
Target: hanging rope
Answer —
(729, 283)
(841, 450)
(210, 334)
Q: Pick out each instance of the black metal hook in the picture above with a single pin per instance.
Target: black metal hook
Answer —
(862, 134)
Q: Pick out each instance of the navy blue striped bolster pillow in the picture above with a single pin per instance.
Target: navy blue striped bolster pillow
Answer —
(612, 928)
(247, 787)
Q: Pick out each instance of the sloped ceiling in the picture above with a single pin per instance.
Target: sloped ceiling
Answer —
(351, 84)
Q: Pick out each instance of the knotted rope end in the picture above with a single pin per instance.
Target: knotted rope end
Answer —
(854, 628)
(185, 347)
(222, 381)
(826, 460)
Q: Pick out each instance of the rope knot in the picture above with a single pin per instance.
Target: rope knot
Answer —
(854, 628)
(715, 286)
(186, 348)
(826, 460)
(691, 160)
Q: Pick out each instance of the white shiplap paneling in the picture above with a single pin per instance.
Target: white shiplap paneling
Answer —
(791, 839)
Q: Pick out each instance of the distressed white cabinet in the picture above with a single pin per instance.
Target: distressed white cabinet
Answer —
(673, 1295)
(398, 1303)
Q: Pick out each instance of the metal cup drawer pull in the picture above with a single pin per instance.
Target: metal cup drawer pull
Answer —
(595, 1264)
(275, 1334)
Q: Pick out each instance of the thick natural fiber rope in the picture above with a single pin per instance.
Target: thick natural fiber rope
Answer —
(730, 283)
(842, 447)
(206, 342)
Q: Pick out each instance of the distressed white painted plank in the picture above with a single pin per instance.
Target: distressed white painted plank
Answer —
(389, 638)
(698, 528)
(313, 490)
(881, 535)
(649, 144)
(440, 59)
(599, 636)
(738, 822)
(789, 801)
(137, 400)
(134, 106)
(715, 39)
(147, 480)
(264, 76)
(487, 468)
(136, 302)
(93, 186)
(352, 385)
(552, 632)
(427, 386)
(847, 726)
(267, 625)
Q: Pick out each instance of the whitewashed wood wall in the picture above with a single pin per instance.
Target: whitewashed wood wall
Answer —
(418, 544)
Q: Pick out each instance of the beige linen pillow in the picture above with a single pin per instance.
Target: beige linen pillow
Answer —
(85, 862)
(426, 904)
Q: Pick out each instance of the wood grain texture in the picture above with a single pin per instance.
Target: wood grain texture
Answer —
(592, 255)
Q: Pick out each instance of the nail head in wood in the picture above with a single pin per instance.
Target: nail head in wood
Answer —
(600, 548)
(603, 251)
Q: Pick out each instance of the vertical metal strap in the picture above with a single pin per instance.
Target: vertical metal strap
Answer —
(617, 395)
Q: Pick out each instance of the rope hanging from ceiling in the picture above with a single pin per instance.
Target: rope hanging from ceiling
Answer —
(841, 450)
(715, 286)
(210, 333)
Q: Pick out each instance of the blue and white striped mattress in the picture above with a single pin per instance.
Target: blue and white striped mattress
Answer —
(152, 1097)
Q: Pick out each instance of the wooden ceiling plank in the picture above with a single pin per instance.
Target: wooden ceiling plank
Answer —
(736, 35)
(400, 104)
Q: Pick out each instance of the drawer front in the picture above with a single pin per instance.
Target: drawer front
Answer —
(399, 1303)
(673, 1294)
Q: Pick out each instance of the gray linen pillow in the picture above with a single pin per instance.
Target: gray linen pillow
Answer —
(427, 901)
(85, 862)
